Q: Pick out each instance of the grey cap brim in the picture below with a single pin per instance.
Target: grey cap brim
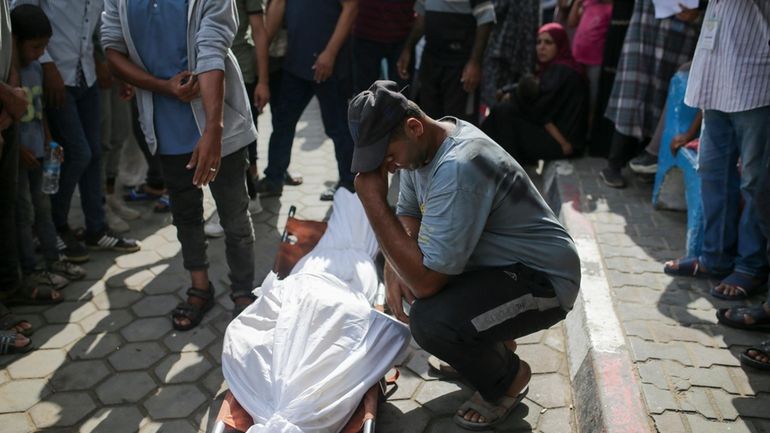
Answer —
(370, 157)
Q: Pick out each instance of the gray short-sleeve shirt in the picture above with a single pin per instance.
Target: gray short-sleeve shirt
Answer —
(478, 208)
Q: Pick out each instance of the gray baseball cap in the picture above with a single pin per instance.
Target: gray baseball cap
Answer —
(372, 116)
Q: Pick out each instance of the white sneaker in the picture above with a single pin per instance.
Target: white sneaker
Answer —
(119, 207)
(114, 222)
(255, 206)
(212, 228)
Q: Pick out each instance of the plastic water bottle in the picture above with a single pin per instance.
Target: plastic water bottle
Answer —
(51, 169)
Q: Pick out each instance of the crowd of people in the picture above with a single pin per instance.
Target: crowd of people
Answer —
(188, 78)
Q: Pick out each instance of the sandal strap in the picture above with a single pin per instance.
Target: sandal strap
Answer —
(7, 341)
(242, 294)
(763, 347)
(203, 294)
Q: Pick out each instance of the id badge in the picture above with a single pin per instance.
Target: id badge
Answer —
(709, 34)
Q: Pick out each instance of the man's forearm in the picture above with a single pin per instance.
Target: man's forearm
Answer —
(212, 85)
(418, 28)
(344, 26)
(128, 71)
(401, 250)
(259, 35)
(480, 42)
(275, 13)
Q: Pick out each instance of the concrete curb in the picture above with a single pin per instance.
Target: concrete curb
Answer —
(607, 391)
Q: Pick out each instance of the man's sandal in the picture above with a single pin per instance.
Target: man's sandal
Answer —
(688, 267)
(239, 294)
(762, 349)
(10, 322)
(744, 285)
(493, 413)
(31, 295)
(8, 343)
(193, 313)
(760, 318)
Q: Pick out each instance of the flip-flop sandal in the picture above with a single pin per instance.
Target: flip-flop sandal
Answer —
(442, 368)
(495, 413)
(745, 284)
(689, 267)
(26, 296)
(8, 320)
(8, 343)
(757, 313)
(764, 349)
(193, 313)
(238, 308)
(292, 179)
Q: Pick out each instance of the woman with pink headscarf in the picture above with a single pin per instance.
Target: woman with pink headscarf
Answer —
(544, 117)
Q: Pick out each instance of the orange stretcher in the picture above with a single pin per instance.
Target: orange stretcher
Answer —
(298, 238)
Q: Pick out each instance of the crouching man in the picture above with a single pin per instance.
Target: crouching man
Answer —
(472, 246)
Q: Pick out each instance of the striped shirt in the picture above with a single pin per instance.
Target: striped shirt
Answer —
(734, 75)
(384, 21)
(483, 10)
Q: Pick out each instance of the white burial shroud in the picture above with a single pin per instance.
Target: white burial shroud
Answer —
(301, 357)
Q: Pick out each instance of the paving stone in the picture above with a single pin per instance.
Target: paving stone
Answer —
(554, 338)
(446, 425)
(402, 416)
(627, 312)
(406, 385)
(418, 363)
(95, 346)
(214, 382)
(123, 419)
(83, 291)
(56, 336)
(533, 338)
(153, 241)
(549, 390)
(442, 397)
(147, 329)
(711, 403)
(643, 350)
(556, 421)
(658, 400)
(669, 422)
(79, 375)
(541, 358)
(62, 409)
(160, 305)
(138, 280)
(126, 387)
(114, 299)
(753, 406)
(69, 312)
(748, 381)
(166, 282)
(20, 395)
(701, 425)
(138, 259)
(689, 316)
(215, 351)
(106, 321)
(38, 363)
(706, 356)
(176, 426)
(182, 367)
(136, 356)
(189, 341)
(174, 401)
(15, 423)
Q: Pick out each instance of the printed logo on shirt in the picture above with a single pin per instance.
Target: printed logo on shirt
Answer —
(35, 104)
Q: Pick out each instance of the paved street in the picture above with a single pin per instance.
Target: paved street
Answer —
(107, 359)
(691, 377)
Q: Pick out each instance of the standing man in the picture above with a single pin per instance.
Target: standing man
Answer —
(317, 63)
(456, 34)
(195, 113)
(472, 246)
(72, 99)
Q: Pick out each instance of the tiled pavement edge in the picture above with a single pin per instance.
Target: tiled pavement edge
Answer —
(685, 370)
(107, 359)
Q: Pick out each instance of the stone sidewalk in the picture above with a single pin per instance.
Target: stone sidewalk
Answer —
(691, 377)
(107, 359)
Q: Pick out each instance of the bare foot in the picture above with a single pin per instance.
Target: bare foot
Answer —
(517, 386)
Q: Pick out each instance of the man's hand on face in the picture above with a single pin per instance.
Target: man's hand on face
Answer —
(373, 184)
(184, 86)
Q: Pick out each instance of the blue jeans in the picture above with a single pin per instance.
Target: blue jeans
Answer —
(76, 127)
(733, 239)
(33, 211)
(296, 94)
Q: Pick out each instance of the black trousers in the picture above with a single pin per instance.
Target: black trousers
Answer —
(9, 185)
(526, 141)
(442, 94)
(154, 177)
(466, 323)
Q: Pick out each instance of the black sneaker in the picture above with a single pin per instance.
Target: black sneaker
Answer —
(110, 242)
(265, 188)
(612, 178)
(646, 163)
(70, 248)
(328, 195)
